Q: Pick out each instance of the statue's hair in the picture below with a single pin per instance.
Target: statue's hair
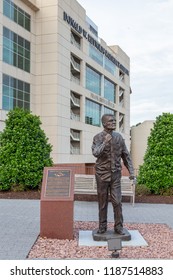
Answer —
(105, 116)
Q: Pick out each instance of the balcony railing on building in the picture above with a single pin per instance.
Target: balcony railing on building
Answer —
(74, 150)
(121, 76)
(75, 65)
(74, 116)
(75, 70)
(74, 141)
(75, 106)
(75, 135)
(121, 97)
(75, 100)
(75, 79)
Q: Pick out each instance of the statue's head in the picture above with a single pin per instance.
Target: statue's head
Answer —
(109, 122)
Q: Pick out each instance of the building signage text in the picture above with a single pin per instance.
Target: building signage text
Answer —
(93, 42)
(102, 100)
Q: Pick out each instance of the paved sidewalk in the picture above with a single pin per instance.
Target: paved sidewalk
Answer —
(140, 213)
(20, 221)
(19, 227)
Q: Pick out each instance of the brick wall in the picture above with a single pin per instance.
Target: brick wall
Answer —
(82, 168)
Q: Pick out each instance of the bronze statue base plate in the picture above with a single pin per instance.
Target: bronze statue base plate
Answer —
(111, 234)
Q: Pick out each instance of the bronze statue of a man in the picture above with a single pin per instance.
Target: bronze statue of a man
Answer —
(109, 148)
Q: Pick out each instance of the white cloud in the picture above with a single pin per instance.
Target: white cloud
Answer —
(149, 109)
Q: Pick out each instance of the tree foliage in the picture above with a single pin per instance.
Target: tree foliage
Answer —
(157, 170)
(24, 151)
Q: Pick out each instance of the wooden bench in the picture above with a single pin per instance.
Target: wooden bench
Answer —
(128, 188)
(86, 184)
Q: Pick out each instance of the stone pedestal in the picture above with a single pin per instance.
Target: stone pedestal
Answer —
(56, 220)
(109, 234)
(57, 203)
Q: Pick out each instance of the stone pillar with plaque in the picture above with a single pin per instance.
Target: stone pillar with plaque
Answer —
(57, 203)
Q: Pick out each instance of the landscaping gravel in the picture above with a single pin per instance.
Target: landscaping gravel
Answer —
(158, 236)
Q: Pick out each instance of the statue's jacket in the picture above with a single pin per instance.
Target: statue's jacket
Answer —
(109, 155)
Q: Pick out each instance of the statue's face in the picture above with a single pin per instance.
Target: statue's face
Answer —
(109, 123)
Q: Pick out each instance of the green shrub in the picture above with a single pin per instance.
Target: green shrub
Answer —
(24, 151)
(157, 170)
(142, 190)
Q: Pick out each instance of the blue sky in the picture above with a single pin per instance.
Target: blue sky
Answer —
(144, 30)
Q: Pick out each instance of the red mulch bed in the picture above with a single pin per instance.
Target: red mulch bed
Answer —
(138, 199)
(20, 195)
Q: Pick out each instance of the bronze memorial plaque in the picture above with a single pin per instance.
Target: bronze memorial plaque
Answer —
(58, 183)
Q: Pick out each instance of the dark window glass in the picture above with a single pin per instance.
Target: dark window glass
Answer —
(109, 90)
(20, 62)
(27, 65)
(27, 97)
(6, 32)
(27, 87)
(14, 94)
(6, 9)
(6, 80)
(93, 80)
(19, 16)
(15, 14)
(5, 102)
(92, 113)
(14, 50)
(20, 95)
(26, 106)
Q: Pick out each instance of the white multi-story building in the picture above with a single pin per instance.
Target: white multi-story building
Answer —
(53, 63)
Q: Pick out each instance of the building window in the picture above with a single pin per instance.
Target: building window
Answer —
(16, 50)
(74, 141)
(92, 29)
(93, 80)
(109, 65)
(121, 76)
(75, 106)
(121, 97)
(109, 111)
(109, 90)
(16, 14)
(96, 55)
(75, 69)
(121, 122)
(15, 93)
(75, 40)
(92, 113)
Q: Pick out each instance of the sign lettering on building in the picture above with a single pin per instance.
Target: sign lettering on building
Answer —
(93, 41)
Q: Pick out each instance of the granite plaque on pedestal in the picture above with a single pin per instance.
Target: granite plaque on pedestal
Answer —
(57, 203)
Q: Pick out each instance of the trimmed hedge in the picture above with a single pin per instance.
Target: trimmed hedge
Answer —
(24, 151)
(157, 170)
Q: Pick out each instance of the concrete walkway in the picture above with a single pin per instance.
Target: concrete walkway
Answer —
(20, 221)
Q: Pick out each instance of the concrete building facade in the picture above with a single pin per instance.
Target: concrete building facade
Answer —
(53, 63)
(139, 139)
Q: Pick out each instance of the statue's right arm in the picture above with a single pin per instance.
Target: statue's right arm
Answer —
(97, 147)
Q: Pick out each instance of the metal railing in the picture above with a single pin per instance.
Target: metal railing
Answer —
(75, 64)
(75, 79)
(74, 150)
(74, 42)
(74, 117)
(75, 100)
(75, 135)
